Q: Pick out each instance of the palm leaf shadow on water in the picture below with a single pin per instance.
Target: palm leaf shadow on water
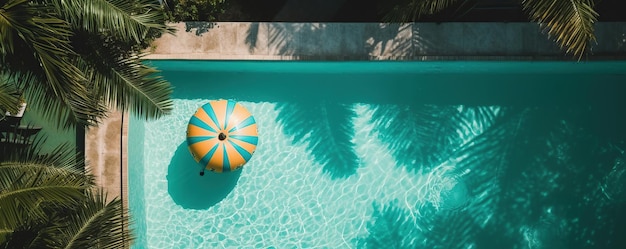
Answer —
(544, 188)
(424, 136)
(192, 191)
(536, 179)
(550, 188)
(328, 129)
(394, 227)
(416, 135)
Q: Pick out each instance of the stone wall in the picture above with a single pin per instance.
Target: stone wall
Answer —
(374, 41)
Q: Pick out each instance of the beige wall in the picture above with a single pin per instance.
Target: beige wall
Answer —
(373, 41)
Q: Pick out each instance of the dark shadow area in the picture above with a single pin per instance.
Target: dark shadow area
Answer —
(200, 27)
(538, 177)
(391, 227)
(252, 36)
(419, 136)
(309, 10)
(251, 10)
(302, 39)
(16, 135)
(386, 40)
(555, 163)
(286, 38)
(192, 191)
(394, 227)
(328, 129)
(375, 11)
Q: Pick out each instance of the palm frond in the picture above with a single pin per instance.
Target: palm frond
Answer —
(37, 191)
(131, 85)
(29, 178)
(8, 96)
(11, 226)
(63, 155)
(5, 234)
(570, 23)
(36, 232)
(36, 42)
(410, 10)
(98, 224)
(26, 185)
(62, 112)
(130, 20)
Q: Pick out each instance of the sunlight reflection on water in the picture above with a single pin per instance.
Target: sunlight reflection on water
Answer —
(281, 197)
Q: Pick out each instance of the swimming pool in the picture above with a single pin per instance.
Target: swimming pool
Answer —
(391, 155)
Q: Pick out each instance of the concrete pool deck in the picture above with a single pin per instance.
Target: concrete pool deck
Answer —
(106, 154)
(106, 145)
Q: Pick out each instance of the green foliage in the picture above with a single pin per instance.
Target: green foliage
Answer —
(569, 23)
(36, 41)
(96, 223)
(76, 56)
(48, 201)
(195, 10)
(8, 95)
(73, 59)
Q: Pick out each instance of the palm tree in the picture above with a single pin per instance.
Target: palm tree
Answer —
(77, 58)
(8, 96)
(73, 59)
(47, 201)
(569, 23)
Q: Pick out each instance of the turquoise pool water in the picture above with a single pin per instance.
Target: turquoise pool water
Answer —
(391, 155)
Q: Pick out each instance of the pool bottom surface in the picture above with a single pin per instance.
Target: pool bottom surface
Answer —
(280, 198)
(391, 155)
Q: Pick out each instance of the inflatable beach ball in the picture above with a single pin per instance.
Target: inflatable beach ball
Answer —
(222, 136)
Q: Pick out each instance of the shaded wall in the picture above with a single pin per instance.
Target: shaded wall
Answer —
(374, 41)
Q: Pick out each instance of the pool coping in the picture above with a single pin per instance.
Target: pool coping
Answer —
(332, 42)
(106, 155)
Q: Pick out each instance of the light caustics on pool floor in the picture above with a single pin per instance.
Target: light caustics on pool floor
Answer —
(546, 176)
(281, 199)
